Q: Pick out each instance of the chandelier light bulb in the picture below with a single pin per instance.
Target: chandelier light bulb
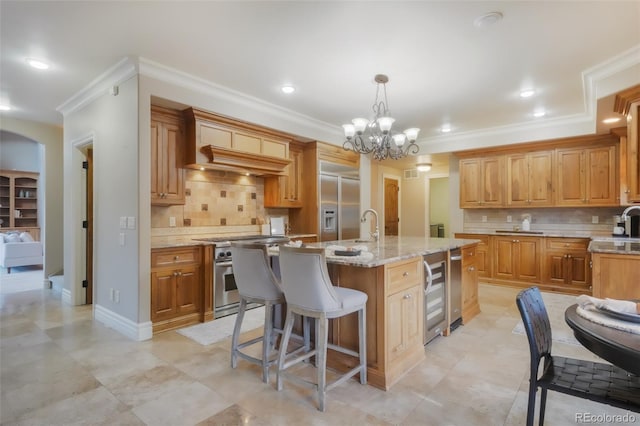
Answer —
(349, 130)
(385, 123)
(360, 124)
(399, 139)
(412, 134)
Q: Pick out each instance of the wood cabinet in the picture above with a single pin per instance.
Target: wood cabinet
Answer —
(616, 276)
(517, 258)
(19, 200)
(176, 287)
(567, 263)
(482, 182)
(167, 175)
(587, 177)
(529, 179)
(627, 103)
(286, 191)
(482, 253)
(469, 276)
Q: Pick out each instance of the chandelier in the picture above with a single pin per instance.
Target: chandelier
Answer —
(375, 136)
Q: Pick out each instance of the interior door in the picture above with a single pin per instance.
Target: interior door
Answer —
(89, 228)
(391, 219)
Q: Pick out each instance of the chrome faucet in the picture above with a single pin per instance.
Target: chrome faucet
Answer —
(363, 219)
(625, 213)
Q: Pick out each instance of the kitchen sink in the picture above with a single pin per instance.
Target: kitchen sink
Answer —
(511, 231)
(365, 241)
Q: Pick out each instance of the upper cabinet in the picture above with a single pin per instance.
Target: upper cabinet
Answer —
(218, 142)
(587, 177)
(562, 173)
(167, 175)
(286, 191)
(529, 178)
(482, 182)
(627, 102)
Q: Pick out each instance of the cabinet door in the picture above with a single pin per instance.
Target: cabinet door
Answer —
(571, 189)
(633, 153)
(528, 259)
(540, 178)
(601, 181)
(504, 253)
(579, 271)
(404, 321)
(188, 290)
(163, 285)
(492, 181)
(172, 164)
(156, 161)
(616, 276)
(470, 183)
(469, 276)
(517, 180)
(556, 267)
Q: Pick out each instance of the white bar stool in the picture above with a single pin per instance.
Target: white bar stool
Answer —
(256, 283)
(310, 293)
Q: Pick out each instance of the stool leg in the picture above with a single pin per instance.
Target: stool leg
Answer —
(321, 358)
(362, 351)
(236, 332)
(266, 340)
(288, 326)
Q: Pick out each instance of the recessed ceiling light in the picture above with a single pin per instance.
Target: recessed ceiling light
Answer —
(539, 113)
(527, 93)
(38, 64)
(423, 167)
(4, 107)
(487, 20)
(287, 88)
(611, 120)
(445, 128)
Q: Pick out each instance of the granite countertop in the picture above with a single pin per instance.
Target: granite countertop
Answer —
(534, 233)
(389, 249)
(188, 241)
(630, 246)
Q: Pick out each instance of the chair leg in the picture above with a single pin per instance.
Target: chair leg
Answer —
(288, 326)
(306, 333)
(236, 332)
(362, 345)
(543, 403)
(322, 325)
(531, 407)
(266, 340)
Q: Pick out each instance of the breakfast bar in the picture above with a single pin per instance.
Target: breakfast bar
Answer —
(391, 273)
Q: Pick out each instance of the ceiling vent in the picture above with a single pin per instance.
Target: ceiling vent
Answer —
(411, 174)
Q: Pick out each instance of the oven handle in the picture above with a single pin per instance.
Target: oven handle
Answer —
(224, 264)
(429, 277)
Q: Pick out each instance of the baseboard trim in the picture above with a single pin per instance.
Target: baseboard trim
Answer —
(133, 330)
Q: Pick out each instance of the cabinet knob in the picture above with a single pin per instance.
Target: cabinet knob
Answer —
(472, 268)
(407, 296)
(175, 274)
(566, 244)
(176, 257)
(405, 274)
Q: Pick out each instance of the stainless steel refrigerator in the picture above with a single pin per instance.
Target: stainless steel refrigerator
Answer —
(339, 202)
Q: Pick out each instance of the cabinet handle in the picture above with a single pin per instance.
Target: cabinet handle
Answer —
(566, 244)
(407, 296)
(513, 241)
(179, 274)
(175, 274)
(176, 257)
(472, 268)
(405, 274)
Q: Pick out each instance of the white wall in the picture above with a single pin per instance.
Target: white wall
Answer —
(19, 153)
(51, 184)
(110, 124)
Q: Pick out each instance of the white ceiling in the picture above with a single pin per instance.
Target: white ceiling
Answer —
(442, 68)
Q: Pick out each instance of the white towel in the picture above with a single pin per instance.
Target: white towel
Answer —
(622, 306)
(296, 243)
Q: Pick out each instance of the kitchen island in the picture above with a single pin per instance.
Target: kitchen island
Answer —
(616, 267)
(392, 275)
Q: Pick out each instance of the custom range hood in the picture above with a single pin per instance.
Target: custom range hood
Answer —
(217, 142)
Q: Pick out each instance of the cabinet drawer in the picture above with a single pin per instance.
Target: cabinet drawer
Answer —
(169, 257)
(567, 243)
(400, 276)
(468, 254)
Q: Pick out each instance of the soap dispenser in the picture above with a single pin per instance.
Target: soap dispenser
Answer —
(526, 224)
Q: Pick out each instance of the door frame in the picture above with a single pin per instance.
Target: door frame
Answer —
(397, 178)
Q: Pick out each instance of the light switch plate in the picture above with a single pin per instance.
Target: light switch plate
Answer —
(594, 219)
(484, 218)
(172, 221)
(131, 222)
(123, 222)
(509, 219)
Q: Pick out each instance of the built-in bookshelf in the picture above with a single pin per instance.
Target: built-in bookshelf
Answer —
(18, 199)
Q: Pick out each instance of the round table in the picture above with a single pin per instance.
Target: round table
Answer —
(619, 347)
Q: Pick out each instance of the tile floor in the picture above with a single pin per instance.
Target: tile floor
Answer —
(59, 367)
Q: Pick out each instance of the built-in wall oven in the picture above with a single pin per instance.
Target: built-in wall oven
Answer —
(435, 295)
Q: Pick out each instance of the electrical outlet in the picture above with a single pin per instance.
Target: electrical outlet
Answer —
(172, 221)
(509, 219)
(131, 222)
(595, 219)
(111, 294)
(117, 296)
(484, 218)
(123, 222)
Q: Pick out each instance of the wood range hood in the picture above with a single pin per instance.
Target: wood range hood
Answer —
(216, 142)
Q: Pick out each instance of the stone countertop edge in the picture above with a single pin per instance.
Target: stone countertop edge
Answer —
(552, 234)
(626, 246)
(393, 249)
(168, 242)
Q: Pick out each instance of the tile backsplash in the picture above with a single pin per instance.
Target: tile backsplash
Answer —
(569, 220)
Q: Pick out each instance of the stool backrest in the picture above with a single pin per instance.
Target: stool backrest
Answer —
(305, 279)
(252, 272)
(536, 323)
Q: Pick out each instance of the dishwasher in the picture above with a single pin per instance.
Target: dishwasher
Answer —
(455, 288)
(435, 295)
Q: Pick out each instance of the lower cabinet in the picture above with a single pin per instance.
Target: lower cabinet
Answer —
(482, 253)
(616, 276)
(470, 303)
(176, 287)
(566, 263)
(517, 258)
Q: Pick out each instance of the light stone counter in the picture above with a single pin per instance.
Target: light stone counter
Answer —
(629, 246)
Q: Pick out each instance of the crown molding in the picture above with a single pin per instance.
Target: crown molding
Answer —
(118, 73)
(179, 78)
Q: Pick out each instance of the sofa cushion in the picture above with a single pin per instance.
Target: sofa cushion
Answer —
(1, 237)
(26, 237)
